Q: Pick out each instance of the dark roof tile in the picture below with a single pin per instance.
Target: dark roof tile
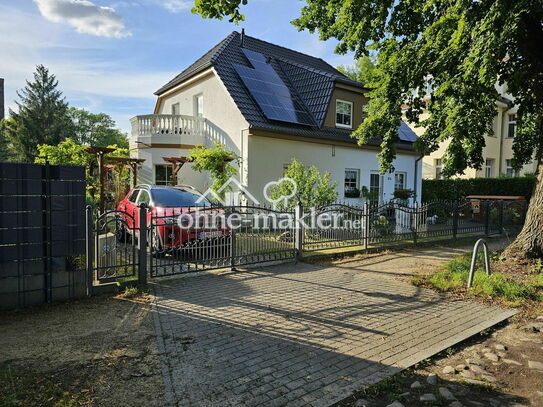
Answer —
(310, 80)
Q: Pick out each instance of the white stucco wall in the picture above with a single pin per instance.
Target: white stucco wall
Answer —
(223, 123)
(268, 155)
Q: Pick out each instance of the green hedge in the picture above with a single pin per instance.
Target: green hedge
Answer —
(459, 188)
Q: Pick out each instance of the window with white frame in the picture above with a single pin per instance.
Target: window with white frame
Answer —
(163, 174)
(175, 109)
(375, 187)
(489, 168)
(352, 183)
(399, 180)
(344, 114)
(509, 171)
(199, 105)
(439, 168)
(512, 125)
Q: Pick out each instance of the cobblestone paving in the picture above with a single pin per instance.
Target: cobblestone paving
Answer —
(299, 335)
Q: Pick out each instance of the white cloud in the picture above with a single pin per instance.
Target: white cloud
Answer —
(176, 6)
(89, 77)
(84, 16)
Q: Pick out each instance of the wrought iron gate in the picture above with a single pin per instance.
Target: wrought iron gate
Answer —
(123, 246)
(212, 238)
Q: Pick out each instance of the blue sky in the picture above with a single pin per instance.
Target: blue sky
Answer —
(111, 55)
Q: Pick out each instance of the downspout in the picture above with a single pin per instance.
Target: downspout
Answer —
(415, 178)
(244, 174)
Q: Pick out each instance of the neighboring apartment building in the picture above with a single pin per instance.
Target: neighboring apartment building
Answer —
(268, 104)
(498, 150)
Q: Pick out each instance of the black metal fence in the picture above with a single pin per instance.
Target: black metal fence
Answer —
(177, 241)
(393, 223)
(42, 231)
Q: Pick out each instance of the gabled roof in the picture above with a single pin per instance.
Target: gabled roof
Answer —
(310, 80)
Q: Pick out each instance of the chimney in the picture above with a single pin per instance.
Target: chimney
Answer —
(242, 40)
(1, 98)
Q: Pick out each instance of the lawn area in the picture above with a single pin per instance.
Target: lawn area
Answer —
(511, 284)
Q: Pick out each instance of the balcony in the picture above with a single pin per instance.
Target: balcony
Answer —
(153, 129)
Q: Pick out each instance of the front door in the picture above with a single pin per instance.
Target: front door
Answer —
(376, 187)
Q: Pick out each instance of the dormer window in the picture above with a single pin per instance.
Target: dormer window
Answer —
(344, 114)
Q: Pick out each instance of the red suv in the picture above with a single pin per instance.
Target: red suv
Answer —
(172, 217)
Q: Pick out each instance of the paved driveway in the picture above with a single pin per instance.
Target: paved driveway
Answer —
(299, 335)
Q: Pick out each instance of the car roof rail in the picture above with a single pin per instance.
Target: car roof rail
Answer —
(143, 186)
(184, 186)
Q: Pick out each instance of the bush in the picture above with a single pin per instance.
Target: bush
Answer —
(457, 188)
(404, 194)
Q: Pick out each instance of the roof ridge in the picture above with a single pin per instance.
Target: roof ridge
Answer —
(307, 68)
(201, 60)
(291, 50)
(226, 42)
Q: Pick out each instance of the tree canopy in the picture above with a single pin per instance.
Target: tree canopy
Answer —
(42, 117)
(364, 70)
(96, 129)
(460, 49)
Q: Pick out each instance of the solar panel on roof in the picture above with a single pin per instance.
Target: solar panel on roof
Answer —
(405, 133)
(270, 92)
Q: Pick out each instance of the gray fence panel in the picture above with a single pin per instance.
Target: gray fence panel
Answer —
(42, 231)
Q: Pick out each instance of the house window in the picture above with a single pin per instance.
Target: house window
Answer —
(199, 105)
(375, 187)
(489, 168)
(352, 177)
(512, 127)
(399, 180)
(163, 174)
(439, 168)
(344, 114)
(509, 171)
(175, 109)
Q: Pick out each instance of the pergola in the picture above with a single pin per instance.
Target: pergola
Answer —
(100, 153)
(177, 163)
(133, 163)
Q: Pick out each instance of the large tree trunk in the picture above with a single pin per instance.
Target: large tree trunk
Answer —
(529, 242)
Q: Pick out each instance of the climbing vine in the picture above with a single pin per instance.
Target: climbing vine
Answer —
(218, 162)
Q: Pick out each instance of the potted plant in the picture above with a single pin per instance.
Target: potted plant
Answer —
(352, 193)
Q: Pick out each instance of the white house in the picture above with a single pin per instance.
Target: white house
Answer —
(270, 105)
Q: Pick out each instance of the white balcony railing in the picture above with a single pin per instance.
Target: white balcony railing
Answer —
(151, 125)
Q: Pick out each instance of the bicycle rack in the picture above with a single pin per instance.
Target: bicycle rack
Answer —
(474, 260)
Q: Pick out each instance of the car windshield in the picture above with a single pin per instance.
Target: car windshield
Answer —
(174, 198)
